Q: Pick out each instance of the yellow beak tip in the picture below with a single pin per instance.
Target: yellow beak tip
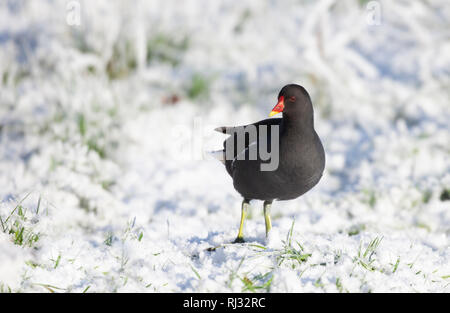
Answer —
(273, 113)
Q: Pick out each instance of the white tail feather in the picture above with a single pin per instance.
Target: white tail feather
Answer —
(219, 155)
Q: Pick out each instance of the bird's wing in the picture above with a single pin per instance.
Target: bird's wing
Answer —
(234, 131)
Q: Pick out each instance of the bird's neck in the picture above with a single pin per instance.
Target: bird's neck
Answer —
(295, 126)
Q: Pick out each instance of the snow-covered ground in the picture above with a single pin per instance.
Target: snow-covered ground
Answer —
(105, 115)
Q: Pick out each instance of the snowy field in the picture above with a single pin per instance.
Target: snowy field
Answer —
(107, 107)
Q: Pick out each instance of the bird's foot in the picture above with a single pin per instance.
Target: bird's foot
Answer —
(239, 240)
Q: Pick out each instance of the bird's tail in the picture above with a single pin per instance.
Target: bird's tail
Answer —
(221, 129)
(218, 154)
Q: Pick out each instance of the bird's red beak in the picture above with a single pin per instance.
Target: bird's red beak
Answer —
(279, 107)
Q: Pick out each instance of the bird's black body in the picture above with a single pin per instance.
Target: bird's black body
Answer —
(301, 154)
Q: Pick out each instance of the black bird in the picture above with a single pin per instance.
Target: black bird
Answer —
(297, 157)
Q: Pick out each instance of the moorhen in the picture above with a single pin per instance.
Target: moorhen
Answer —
(297, 157)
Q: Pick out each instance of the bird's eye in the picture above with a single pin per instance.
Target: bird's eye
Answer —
(291, 99)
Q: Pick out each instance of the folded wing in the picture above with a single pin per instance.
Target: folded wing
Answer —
(236, 131)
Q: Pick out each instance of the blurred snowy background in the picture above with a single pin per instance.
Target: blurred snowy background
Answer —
(106, 107)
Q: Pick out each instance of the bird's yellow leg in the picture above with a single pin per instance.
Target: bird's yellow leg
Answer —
(244, 212)
(267, 205)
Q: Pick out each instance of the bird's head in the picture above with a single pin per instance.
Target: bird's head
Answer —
(293, 100)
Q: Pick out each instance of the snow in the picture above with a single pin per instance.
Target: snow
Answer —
(105, 185)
